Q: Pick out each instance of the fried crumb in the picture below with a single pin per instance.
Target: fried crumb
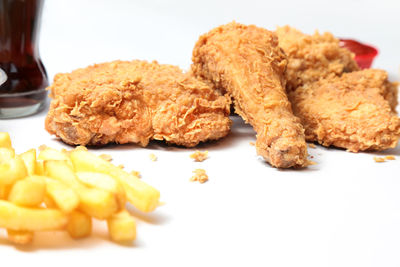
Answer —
(42, 147)
(153, 157)
(121, 166)
(311, 145)
(199, 175)
(199, 155)
(379, 159)
(310, 162)
(136, 173)
(106, 157)
(390, 157)
(252, 143)
(83, 148)
(312, 157)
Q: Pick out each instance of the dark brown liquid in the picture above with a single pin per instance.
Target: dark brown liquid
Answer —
(19, 57)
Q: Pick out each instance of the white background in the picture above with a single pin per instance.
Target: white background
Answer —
(344, 211)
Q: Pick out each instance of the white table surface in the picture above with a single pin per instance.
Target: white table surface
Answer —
(344, 211)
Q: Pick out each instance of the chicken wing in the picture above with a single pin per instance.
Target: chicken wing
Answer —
(134, 102)
(246, 63)
(313, 57)
(350, 112)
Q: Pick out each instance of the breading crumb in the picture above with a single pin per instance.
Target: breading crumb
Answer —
(82, 148)
(311, 145)
(379, 159)
(121, 166)
(199, 175)
(199, 156)
(42, 147)
(252, 143)
(136, 173)
(153, 157)
(390, 157)
(106, 157)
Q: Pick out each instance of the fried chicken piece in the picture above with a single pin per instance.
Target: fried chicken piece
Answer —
(350, 112)
(134, 102)
(246, 62)
(313, 57)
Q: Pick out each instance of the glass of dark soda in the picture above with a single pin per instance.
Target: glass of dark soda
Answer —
(23, 78)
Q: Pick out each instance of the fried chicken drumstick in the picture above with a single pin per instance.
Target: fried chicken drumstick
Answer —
(246, 62)
(134, 102)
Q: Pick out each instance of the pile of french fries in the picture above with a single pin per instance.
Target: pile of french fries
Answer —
(65, 190)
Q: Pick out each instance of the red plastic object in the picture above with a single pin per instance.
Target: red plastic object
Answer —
(365, 54)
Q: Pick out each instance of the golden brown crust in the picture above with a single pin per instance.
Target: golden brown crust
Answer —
(313, 57)
(350, 112)
(134, 102)
(246, 62)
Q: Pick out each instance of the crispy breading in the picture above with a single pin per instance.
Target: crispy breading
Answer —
(246, 62)
(313, 57)
(134, 102)
(199, 156)
(200, 175)
(350, 112)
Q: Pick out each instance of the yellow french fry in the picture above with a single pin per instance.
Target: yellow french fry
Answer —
(49, 202)
(61, 196)
(53, 154)
(12, 170)
(104, 182)
(31, 219)
(20, 237)
(29, 158)
(97, 203)
(39, 167)
(6, 154)
(5, 140)
(94, 202)
(4, 191)
(79, 225)
(122, 227)
(28, 192)
(141, 195)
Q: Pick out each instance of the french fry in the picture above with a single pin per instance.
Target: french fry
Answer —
(6, 154)
(104, 182)
(5, 140)
(62, 190)
(12, 170)
(20, 237)
(141, 195)
(61, 171)
(49, 153)
(39, 167)
(60, 195)
(28, 192)
(122, 227)
(79, 225)
(4, 191)
(94, 202)
(29, 158)
(30, 219)
(97, 203)
(49, 202)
